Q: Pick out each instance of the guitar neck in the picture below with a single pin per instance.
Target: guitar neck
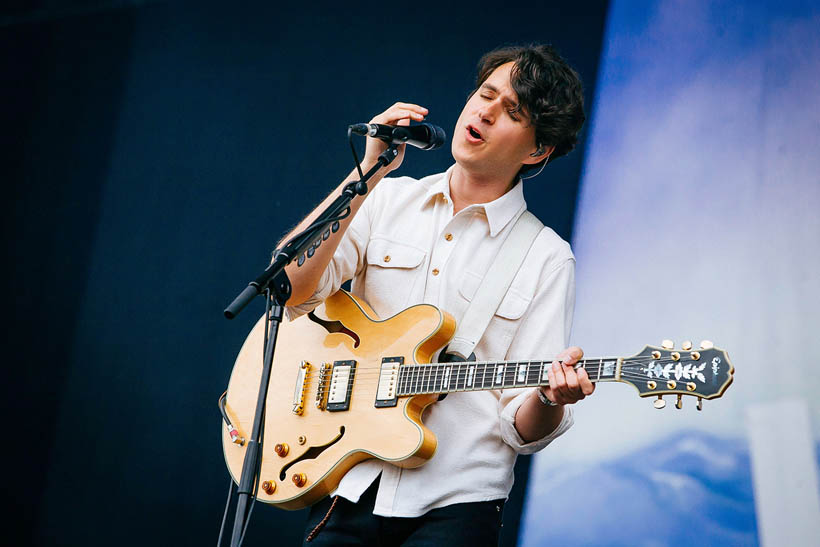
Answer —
(485, 375)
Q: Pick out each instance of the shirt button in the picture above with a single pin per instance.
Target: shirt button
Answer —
(449, 237)
(387, 258)
(435, 271)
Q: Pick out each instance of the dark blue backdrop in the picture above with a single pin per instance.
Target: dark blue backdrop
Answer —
(153, 155)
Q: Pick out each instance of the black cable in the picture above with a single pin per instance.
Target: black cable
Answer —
(353, 149)
(222, 409)
(225, 514)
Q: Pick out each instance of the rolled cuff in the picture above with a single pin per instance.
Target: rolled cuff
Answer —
(323, 290)
(510, 434)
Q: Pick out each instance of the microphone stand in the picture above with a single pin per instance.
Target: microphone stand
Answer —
(275, 284)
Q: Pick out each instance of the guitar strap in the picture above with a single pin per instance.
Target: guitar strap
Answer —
(494, 285)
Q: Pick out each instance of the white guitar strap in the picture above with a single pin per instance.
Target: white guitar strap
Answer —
(494, 286)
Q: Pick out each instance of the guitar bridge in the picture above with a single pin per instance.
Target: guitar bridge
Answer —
(300, 388)
(321, 390)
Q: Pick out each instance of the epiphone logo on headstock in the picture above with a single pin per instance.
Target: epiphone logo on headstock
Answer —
(715, 363)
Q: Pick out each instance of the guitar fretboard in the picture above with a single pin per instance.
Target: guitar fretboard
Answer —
(477, 376)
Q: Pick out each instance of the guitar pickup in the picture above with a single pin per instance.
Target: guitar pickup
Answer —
(341, 385)
(388, 382)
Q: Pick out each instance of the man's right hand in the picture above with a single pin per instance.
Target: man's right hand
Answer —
(398, 114)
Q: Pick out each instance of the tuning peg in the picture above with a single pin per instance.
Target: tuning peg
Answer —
(706, 344)
(667, 344)
(700, 403)
(687, 345)
(660, 403)
(679, 403)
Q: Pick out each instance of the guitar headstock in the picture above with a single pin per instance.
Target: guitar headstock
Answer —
(704, 373)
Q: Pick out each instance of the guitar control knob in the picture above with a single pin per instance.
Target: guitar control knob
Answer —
(667, 344)
(269, 487)
(660, 403)
(281, 449)
(679, 403)
(299, 479)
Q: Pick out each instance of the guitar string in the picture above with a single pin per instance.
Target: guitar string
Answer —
(424, 384)
(589, 364)
(508, 380)
(592, 367)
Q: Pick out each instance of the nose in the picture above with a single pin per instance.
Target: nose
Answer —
(487, 113)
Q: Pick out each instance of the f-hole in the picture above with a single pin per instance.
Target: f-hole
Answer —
(312, 453)
(335, 326)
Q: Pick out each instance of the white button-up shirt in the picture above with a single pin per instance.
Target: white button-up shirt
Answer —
(406, 247)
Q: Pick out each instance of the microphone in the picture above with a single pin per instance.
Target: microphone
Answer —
(424, 135)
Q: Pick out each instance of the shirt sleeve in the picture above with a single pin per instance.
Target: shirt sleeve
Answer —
(347, 262)
(544, 332)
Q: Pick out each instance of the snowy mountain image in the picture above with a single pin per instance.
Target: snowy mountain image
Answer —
(691, 489)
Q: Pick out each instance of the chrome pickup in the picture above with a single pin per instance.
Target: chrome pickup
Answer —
(341, 385)
(388, 382)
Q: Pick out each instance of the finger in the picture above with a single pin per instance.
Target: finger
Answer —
(572, 380)
(391, 117)
(572, 355)
(587, 387)
(550, 392)
(560, 387)
(411, 106)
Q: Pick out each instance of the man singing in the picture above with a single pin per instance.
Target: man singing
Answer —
(431, 241)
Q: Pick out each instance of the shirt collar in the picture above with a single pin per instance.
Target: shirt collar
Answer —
(499, 212)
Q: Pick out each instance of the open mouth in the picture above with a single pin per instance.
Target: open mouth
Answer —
(474, 132)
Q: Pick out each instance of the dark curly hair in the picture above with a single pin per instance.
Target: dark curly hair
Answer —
(549, 92)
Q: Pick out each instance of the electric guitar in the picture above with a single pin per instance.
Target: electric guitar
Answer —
(347, 386)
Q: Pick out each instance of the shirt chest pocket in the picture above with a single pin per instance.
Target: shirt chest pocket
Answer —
(512, 308)
(393, 269)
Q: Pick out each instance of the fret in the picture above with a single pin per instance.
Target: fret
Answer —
(484, 375)
(400, 383)
(608, 369)
(521, 377)
(402, 379)
(532, 373)
(499, 375)
(600, 368)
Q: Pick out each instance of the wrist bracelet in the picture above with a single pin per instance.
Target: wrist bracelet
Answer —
(544, 399)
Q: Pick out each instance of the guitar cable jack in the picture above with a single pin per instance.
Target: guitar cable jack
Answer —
(235, 438)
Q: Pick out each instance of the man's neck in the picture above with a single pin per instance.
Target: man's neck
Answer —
(468, 188)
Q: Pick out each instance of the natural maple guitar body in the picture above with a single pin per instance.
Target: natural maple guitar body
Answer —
(394, 434)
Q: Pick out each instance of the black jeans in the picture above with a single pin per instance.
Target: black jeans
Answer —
(461, 524)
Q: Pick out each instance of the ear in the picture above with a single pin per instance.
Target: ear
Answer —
(540, 154)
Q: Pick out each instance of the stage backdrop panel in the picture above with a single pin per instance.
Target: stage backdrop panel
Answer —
(697, 219)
